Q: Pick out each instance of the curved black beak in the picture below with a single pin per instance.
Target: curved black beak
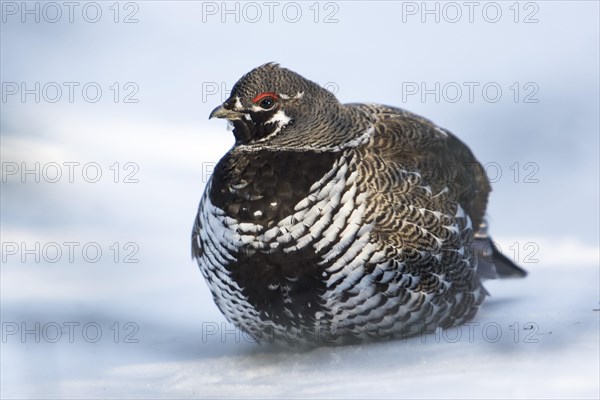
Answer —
(222, 112)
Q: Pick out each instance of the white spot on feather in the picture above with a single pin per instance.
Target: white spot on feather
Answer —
(238, 104)
(281, 118)
(440, 130)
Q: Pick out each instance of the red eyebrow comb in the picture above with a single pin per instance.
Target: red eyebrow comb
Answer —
(261, 96)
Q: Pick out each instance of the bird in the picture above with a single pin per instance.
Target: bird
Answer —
(334, 224)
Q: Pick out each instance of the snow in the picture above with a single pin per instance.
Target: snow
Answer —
(523, 344)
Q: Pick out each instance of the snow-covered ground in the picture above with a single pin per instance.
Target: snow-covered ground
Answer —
(110, 305)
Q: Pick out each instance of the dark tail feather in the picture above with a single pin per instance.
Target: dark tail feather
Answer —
(505, 267)
(491, 263)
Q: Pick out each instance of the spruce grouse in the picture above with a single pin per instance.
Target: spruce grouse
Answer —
(330, 223)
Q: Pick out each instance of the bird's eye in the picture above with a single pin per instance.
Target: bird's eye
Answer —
(267, 103)
(265, 100)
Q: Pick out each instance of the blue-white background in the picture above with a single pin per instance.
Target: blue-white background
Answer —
(171, 63)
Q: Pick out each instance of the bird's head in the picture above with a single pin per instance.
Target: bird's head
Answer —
(274, 107)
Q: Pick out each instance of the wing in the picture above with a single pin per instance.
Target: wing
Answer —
(428, 195)
(430, 182)
(410, 143)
